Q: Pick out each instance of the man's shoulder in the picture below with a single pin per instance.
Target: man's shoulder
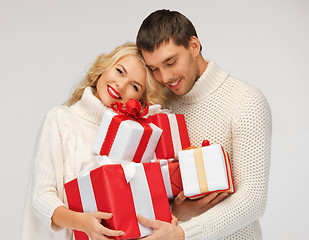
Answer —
(240, 86)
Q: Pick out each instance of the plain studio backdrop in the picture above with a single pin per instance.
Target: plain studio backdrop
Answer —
(46, 48)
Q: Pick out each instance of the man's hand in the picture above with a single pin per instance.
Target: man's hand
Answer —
(162, 230)
(184, 209)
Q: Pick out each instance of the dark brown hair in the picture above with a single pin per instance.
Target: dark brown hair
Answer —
(162, 25)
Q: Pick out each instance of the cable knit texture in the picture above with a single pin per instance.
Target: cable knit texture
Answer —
(236, 115)
(65, 142)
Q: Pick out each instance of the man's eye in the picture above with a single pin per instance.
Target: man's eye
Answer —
(170, 63)
(119, 70)
(154, 69)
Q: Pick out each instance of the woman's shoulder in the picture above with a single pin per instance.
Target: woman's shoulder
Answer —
(60, 115)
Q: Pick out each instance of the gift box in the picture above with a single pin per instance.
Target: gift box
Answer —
(174, 137)
(124, 134)
(171, 176)
(205, 170)
(124, 190)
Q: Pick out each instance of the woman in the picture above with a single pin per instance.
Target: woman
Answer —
(66, 141)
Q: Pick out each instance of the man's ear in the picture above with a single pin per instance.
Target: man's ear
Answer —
(195, 46)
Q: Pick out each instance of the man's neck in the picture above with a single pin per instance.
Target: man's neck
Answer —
(202, 65)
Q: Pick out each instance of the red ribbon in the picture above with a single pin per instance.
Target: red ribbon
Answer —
(132, 111)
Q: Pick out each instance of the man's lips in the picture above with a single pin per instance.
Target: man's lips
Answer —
(113, 93)
(174, 84)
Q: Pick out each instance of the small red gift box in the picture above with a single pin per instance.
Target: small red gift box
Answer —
(125, 134)
(172, 177)
(124, 190)
(174, 137)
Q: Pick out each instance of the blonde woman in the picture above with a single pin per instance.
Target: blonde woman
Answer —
(66, 140)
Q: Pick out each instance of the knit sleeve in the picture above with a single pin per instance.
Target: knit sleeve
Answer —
(251, 139)
(48, 169)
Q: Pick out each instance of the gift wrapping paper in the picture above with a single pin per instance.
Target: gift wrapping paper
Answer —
(174, 136)
(171, 176)
(124, 190)
(205, 170)
(126, 139)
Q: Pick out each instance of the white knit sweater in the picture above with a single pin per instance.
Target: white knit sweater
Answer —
(229, 112)
(65, 142)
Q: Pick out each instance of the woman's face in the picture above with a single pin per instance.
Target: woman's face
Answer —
(125, 80)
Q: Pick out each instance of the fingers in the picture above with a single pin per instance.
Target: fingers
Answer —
(103, 215)
(174, 220)
(211, 200)
(147, 222)
(206, 199)
(180, 198)
(104, 230)
(114, 233)
(219, 198)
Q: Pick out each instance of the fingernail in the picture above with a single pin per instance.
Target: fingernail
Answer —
(121, 233)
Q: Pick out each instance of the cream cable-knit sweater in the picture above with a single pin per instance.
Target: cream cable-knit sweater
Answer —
(65, 142)
(229, 112)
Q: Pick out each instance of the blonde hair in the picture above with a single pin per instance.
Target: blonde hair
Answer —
(155, 92)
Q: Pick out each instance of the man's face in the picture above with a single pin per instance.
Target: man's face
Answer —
(174, 66)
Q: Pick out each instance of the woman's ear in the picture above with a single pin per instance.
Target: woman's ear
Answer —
(195, 46)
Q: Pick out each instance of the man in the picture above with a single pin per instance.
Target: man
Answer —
(221, 109)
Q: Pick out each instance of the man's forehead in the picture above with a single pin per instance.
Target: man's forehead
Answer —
(161, 54)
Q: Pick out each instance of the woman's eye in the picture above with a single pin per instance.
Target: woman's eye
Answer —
(135, 87)
(119, 70)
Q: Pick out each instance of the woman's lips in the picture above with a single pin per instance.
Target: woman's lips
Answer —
(113, 93)
(175, 84)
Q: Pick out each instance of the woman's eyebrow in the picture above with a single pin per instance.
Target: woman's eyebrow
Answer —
(136, 82)
(124, 69)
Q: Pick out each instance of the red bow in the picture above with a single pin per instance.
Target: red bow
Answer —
(133, 109)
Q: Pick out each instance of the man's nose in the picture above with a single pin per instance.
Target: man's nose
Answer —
(166, 76)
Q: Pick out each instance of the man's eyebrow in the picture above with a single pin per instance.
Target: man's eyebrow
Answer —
(168, 59)
(164, 61)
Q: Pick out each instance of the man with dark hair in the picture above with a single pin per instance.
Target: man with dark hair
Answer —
(219, 108)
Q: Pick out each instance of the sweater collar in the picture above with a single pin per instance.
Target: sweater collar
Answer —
(89, 107)
(208, 82)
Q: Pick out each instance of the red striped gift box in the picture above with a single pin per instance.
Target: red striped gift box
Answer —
(109, 189)
(174, 137)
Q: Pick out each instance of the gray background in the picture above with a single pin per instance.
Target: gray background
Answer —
(47, 46)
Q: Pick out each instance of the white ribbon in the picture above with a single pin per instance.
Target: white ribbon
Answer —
(155, 109)
(166, 177)
(175, 133)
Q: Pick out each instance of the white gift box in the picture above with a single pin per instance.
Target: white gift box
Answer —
(128, 139)
(205, 170)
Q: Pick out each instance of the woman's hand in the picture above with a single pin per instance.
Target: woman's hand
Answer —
(162, 230)
(90, 223)
(184, 209)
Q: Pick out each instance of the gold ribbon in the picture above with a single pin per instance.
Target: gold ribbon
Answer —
(200, 170)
